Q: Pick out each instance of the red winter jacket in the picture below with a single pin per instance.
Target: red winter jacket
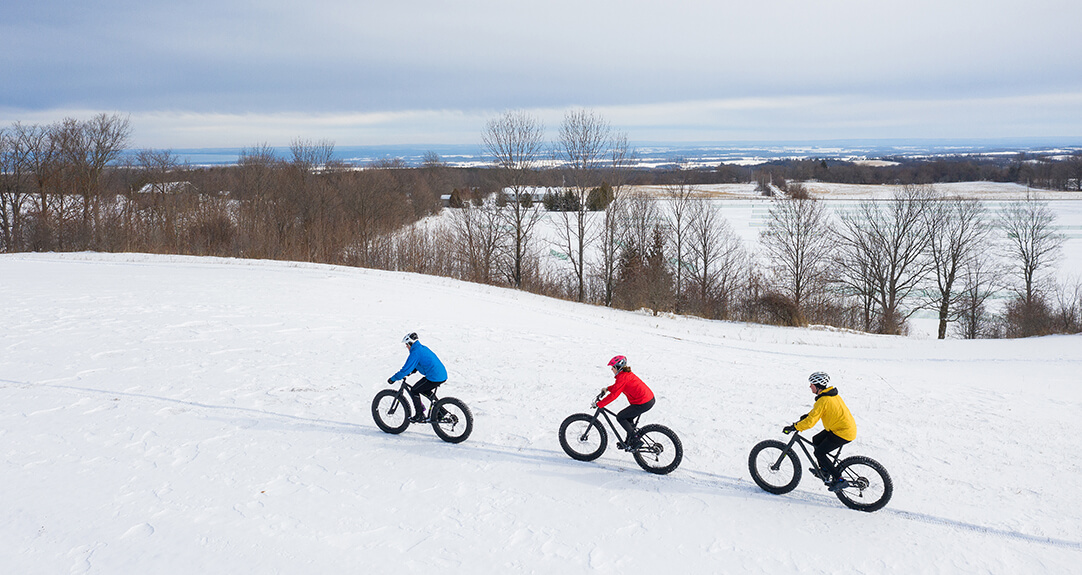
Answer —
(630, 385)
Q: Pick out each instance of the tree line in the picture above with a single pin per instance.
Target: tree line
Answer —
(67, 186)
(1045, 171)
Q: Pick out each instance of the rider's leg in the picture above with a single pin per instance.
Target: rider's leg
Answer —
(425, 388)
(626, 418)
(826, 442)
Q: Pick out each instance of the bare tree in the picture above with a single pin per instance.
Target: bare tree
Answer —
(40, 160)
(680, 196)
(614, 218)
(957, 232)
(980, 281)
(310, 198)
(881, 256)
(479, 238)
(309, 156)
(431, 159)
(159, 169)
(516, 142)
(717, 257)
(13, 196)
(610, 240)
(424, 248)
(86, 148)
(798, 242)
(372, 209)
(1032, 244)
(584, 141)
(641, 216)
(640, 222)
(1069, 305)
(263, 219)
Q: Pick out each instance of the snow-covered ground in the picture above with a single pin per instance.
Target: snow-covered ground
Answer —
(180, 415)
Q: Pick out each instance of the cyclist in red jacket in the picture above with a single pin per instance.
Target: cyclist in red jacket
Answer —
(638, 395)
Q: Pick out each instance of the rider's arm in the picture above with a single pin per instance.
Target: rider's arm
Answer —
(811, 418)
(408, 367)
(614, 392)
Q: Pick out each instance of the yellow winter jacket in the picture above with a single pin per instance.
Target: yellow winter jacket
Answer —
(835, 415)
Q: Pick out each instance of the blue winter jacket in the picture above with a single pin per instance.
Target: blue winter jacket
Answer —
(423, 360)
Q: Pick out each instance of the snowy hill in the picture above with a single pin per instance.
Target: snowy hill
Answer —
(177, 415)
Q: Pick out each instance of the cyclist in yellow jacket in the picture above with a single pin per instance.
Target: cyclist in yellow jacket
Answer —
(839, 427)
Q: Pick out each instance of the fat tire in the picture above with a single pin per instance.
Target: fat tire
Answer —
(574, 428)
(871, 484)
(385, 409)
(763, 456)
(661, 452)
(451, 420)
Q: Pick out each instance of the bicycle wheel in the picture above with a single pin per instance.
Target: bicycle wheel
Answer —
(774, 467)
(661, 450)
(870, 486)
(451, 420)
(391, 410)
(582, 437)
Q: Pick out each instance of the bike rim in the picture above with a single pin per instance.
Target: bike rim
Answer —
(865, 485)
(393, 407)
(448, 420)
(775, 470)
(586, 439)
(658, 451)
(391, 411)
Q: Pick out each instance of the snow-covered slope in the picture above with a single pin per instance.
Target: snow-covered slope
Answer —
(180, 415)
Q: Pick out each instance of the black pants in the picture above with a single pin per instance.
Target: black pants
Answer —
(631, 412)
(425, 388)
(825, 442)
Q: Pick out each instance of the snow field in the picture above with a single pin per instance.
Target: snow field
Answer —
(167, 414)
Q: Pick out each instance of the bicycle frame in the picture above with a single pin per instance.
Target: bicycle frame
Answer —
(406, 390)
(616, 429)
(804, 443)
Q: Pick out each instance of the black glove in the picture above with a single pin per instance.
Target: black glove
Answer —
(390, 380)
(788, 429)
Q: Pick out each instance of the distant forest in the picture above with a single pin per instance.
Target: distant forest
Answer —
(1049, 172)
(64, 187)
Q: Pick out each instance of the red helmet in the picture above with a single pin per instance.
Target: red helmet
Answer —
(618, 362)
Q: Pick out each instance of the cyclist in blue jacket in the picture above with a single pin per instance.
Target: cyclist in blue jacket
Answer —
(421, 359)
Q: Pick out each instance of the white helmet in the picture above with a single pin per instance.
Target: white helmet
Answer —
(410, 339)
(819, 379)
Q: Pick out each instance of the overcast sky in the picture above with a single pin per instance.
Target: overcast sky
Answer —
(227, 73)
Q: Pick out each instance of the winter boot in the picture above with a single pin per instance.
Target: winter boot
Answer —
(838, 485)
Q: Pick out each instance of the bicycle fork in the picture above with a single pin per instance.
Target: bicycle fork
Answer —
(777, 464)
(586, 432)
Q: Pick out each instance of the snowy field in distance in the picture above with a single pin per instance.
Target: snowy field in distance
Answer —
(176, 415)
(748, 213)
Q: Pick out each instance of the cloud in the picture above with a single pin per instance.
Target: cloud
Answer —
(420, 69)
(788, 118)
